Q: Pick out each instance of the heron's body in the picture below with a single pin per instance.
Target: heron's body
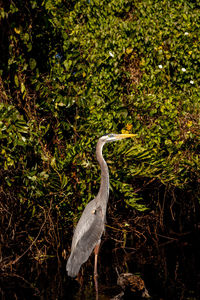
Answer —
(89, 230)
(91, 225)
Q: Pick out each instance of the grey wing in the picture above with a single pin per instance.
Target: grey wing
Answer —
(87, 234)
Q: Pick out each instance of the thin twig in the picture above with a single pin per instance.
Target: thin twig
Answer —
(22, 278)
(33, 242)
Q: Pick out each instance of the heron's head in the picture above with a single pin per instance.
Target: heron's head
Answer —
(112, 137)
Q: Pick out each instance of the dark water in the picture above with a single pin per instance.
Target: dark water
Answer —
(170, 271)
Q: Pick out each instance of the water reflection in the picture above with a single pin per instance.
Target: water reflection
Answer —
(171, 271)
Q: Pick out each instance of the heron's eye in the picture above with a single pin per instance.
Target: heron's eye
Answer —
(111, 135)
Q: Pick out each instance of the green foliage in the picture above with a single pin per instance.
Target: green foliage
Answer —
(75, 71)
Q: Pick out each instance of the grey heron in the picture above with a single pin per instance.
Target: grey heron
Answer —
(91, 225)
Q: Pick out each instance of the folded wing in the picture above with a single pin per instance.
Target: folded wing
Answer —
(86, 236)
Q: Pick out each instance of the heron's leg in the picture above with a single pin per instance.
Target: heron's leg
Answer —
(96, 251)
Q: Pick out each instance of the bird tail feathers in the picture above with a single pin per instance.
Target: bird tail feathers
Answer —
(73, 266)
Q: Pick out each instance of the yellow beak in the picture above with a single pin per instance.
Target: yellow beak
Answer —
(125, 135)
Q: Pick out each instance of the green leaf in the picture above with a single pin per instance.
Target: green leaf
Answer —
(16, 80)
(22, 87)
(32, 63)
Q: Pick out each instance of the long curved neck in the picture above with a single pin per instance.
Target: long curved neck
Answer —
(103, 193)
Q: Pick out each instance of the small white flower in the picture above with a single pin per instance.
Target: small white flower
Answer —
(111, 54)
(186, 33)
(160, 66)
(191, 81)
(183, 70)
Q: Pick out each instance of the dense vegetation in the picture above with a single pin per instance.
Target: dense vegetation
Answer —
(71, 71)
